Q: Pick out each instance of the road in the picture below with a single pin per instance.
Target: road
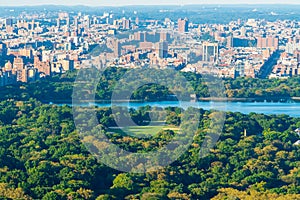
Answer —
(267, 68)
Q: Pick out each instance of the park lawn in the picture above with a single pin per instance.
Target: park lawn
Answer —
(142, 130)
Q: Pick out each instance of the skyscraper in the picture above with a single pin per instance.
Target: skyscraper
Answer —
(162, 49)
(183, 25)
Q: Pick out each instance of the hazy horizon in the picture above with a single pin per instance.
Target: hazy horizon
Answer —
(140, 2)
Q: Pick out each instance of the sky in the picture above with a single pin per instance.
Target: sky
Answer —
(139, 2)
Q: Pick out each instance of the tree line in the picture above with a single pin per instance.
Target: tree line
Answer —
(59, 88)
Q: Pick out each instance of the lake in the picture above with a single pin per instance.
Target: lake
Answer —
(290, 108)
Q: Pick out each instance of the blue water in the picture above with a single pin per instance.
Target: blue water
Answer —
(292, 109)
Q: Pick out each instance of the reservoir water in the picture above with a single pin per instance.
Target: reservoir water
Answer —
(291, 108)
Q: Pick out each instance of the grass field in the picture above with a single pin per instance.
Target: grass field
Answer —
(142, 130)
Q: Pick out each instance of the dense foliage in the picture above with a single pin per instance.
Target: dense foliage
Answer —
(60, 88)
(42, 157)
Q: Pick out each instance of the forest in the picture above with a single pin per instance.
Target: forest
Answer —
(43, 157)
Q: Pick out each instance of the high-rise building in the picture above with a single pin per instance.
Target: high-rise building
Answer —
(126, 24)
(210, 52)
(137, 21)
(87, 21)
(117, 48)
(297, 55)
(8, 22)
(32, 25)
(164, 36)
(240, 42)
(267, 42)
(67, 65)
(183, 25)
(63, 15)
(58, 23)
(28, 74)
(229, 42)
(31, 74)
(8, 66)
(68, 22)
(76, 23)
(243, 31)
(146, 45)
(22, 24)
(69, 46)
(140, 36)
(291, 47)
(152, 37)
(18, 63)
(110, 19)
(43, 68)
(26, 52)
(3, 49)
(162, 49)
(19, 70)
(7, 78)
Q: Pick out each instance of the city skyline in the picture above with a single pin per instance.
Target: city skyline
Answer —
(138, 2)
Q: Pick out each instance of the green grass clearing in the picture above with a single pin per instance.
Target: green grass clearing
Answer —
(142, 130)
